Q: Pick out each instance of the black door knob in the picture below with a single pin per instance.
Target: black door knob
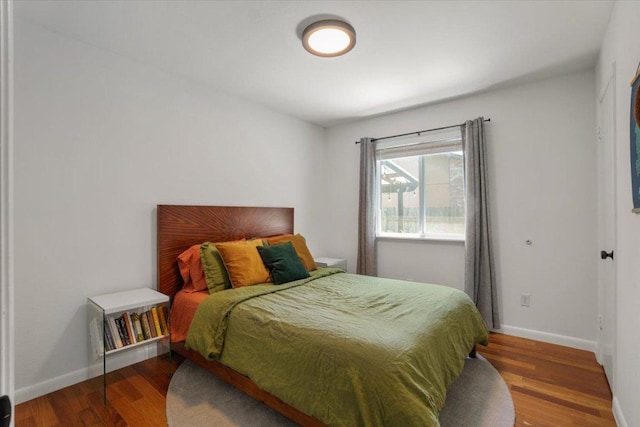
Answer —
(5, 411)
(605, 255)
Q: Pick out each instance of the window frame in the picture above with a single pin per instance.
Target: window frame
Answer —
(423, 145)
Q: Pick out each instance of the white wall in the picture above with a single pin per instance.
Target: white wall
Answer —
(621, 46)
(99, 141)
(542, 155)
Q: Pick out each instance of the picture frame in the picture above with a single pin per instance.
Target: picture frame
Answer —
(634, 140)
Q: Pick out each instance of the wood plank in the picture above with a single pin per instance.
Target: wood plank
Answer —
(23, 412)
(66, 406)
(152, 405)
(107, 413)
(559, 392)
(88, 417)
(26, 422)
(43, 412)
(130, 414)
(538, 412)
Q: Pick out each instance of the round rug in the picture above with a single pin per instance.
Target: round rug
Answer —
(478, 398)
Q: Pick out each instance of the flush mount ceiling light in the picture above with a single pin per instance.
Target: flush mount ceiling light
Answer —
(329, 37)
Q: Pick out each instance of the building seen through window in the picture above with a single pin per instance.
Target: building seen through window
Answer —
(423, 195)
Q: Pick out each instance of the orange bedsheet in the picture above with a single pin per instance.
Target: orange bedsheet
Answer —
(183, 309)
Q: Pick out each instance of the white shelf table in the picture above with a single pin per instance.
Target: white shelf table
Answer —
(331, 262)
(103, 306)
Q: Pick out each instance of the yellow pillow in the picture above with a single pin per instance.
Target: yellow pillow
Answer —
(243, 263)
(300, 245)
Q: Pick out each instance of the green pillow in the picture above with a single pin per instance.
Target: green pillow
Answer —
(283, 263)
(215, 274)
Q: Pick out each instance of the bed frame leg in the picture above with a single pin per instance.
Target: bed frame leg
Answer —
(472, 353)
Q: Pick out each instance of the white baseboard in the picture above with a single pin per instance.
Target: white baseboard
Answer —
(567, 341)
(115, 361)
(617, 413)
(598, 352)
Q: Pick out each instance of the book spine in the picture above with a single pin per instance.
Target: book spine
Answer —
(156, 321)
(145, 326)
(135, 317)
(123, 331)
(162, 316)
(123, 328)
(114, 332)
(130, 332)
(111, 345)
(152, 328)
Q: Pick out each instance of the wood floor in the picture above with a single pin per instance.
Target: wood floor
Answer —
(551, 386)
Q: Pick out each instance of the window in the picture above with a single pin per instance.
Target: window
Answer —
(421, 188)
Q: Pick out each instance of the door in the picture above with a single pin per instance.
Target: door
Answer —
(6, 160)
(607, 229)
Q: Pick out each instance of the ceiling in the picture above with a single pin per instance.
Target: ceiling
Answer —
(408, 53)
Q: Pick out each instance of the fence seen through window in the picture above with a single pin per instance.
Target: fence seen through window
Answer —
(422, 195)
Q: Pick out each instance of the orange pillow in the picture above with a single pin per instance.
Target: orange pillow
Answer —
(300, 245)
(243, 263)
(190, 266)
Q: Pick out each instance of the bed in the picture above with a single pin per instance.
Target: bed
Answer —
(291, 345)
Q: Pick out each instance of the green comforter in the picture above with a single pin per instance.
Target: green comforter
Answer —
(348, 350)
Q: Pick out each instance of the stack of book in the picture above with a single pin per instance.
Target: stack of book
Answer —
(130, 328)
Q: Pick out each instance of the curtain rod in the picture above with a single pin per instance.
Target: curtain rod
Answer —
(417, 132)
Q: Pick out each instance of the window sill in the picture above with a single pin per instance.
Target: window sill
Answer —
(426, 239)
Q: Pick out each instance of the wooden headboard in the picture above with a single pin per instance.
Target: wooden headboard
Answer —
(181, 226)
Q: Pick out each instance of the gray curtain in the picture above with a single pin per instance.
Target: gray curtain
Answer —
(479, 277)
(367, 260)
